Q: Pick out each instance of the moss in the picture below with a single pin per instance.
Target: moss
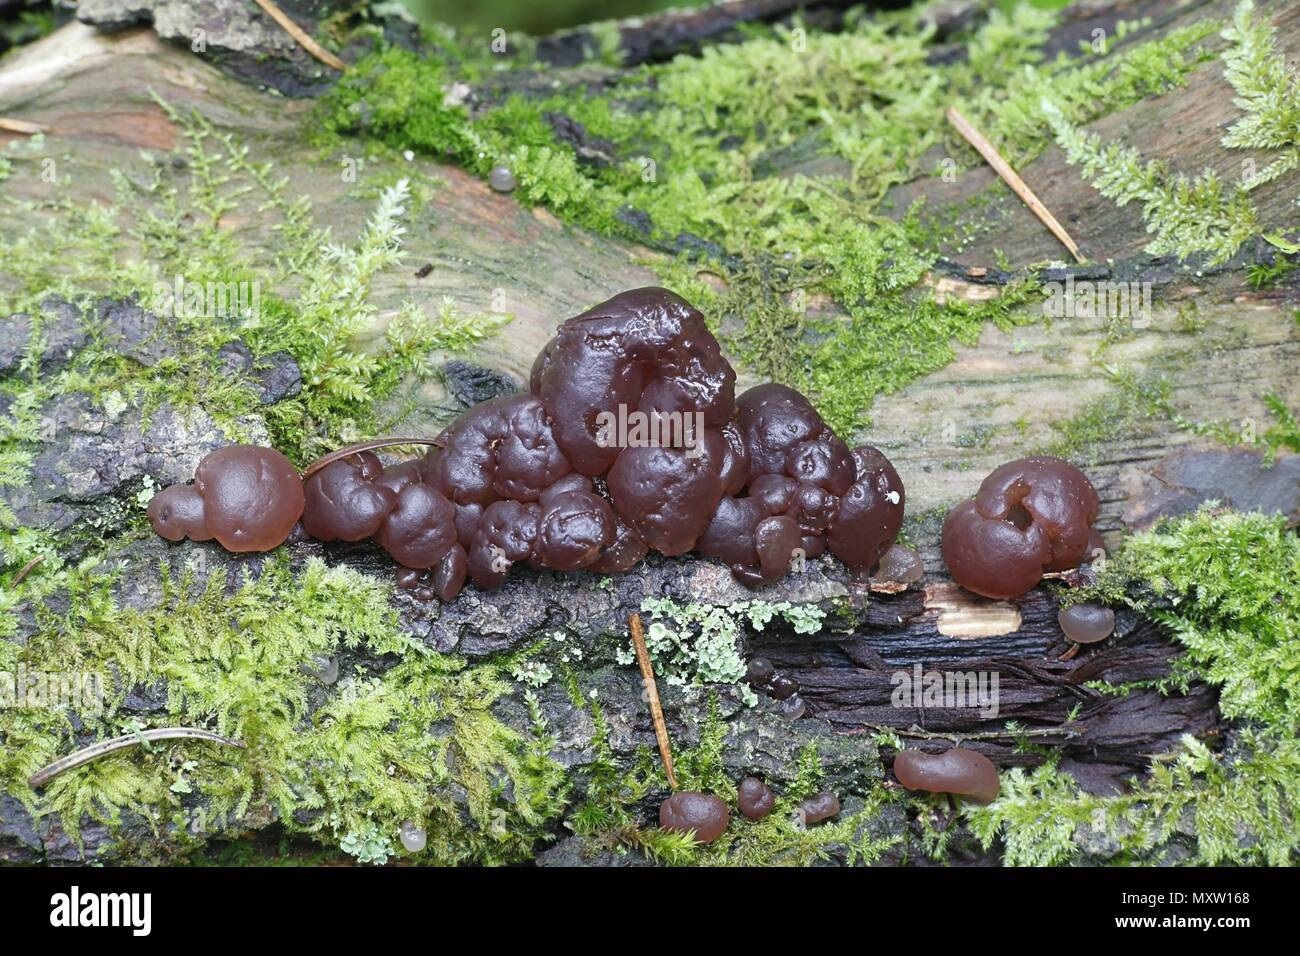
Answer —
(348, 771)
(1203, 215)
(768, 162)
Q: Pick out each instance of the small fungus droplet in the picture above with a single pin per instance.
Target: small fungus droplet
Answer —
(759, 672)
(783, 686)
(755, 798)
(958, 771)
(413, 838)
(502, 179)
(703, 814)
(793, 707)
(819, 807)
(1086, 623)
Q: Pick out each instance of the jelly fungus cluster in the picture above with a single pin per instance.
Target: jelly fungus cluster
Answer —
(1029, 517)
(758, 481)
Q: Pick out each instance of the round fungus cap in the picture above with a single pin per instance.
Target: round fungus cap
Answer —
(755, 798)
(959, 771)
(1086, 623)
(1029, 516)
(252, 497)
(702, 814)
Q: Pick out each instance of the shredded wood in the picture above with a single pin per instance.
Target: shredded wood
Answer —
(21, 126)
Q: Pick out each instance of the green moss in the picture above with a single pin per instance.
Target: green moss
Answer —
(348, 771)
(767, 162)
(1202, 214)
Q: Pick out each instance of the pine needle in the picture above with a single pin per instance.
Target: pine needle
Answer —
(652, 697)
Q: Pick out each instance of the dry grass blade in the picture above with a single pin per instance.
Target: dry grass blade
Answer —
(105, 747)
(21, 126)
(652, 696)
(301, 36)
(374, 445)
(1009, 176)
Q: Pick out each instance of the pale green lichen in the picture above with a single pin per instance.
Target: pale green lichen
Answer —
(699, 643)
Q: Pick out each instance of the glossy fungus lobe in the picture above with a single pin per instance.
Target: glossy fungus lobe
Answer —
(759, 671)
(414, 838)
(703, 814)
(958, 771)
(755, 798)
(177, 512)
(420, 529)
(630, 439)
(252, 497)
(782, 686)
(344, 502)
(900, 565)
(819, 807)
(1086, 623)
(793, 707)
(1029, 516)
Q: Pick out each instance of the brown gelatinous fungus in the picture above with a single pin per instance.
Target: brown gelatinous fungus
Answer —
(755, 798)
(957, 771)
(1029, 516)
(702, 814)
(1086, 623)
(562, 479)
(900, 565)
(819, 807)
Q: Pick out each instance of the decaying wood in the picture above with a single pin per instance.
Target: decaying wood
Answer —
(1008, 394)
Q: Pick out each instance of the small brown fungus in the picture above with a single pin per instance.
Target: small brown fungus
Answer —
(755, 798)
(1086, 623)
(958, 771)
(819, 807)
(703, 814)
(177, 512)
(900, 565)
(251, 499)
(1029, 516)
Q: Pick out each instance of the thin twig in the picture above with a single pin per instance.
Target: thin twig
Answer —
(104, 747)
(302, 36)
(22, 126)
(26, 569)
(1003, 169)
(359, 447)
(652, 696)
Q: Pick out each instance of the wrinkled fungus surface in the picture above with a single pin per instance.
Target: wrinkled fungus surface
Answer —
(630, 439)
(755, 798)
(959, 771)
(1029, 516)
(703, 814)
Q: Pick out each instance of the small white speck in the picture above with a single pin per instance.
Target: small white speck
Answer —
(409, 156)
(593, 695)
(893, 497)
